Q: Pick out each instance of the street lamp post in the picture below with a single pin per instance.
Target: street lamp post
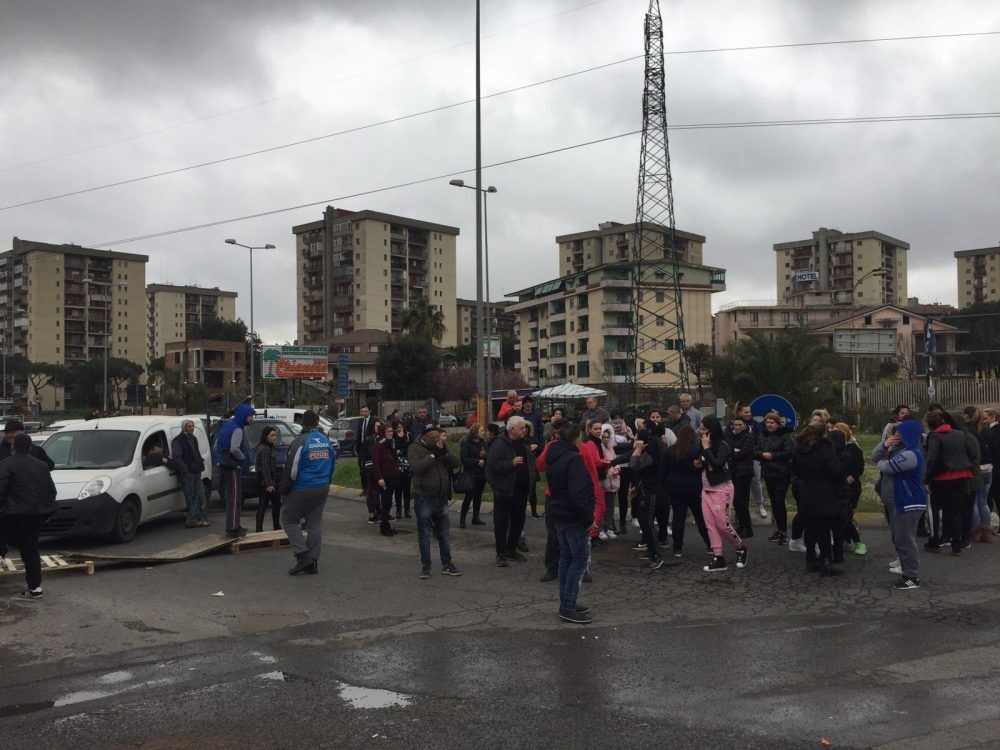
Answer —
(883, 272)
(253, 335)
(480, 302)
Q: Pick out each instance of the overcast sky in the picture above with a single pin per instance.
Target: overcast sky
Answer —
(77, 75)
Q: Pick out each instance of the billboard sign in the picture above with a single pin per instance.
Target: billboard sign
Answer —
(860, 342)
(282, 362)
(343, 384)
(492, 345)
(805, 276)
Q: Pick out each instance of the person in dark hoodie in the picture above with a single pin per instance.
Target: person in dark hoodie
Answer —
(947, 473)
(974, 449)
(901, 464)
(27, 498)
(267, 478)
(682, 483)
(742, 444)
(717, 495)
(820, 472)
(571, 504)
(232, 456)
(774, 451)
(646, 465)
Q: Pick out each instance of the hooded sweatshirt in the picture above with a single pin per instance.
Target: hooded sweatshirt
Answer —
(231, 449)
(571, 495)
(904, 467)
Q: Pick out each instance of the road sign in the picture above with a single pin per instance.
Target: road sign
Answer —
(343, 382)
(493, 345)
(285, 362)
(865, 342)
(773, 402)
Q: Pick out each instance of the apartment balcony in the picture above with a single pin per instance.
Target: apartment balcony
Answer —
(418, 282)
(557, 338)
(397, 235)
(616, 378)
(398, 278)
(617, 306)
(420, 253)
(614, 354)
(315, 295)
(417, 238)
(557, 316)
(532, 324)
(617, 283)
(616, 331)
(397, 250)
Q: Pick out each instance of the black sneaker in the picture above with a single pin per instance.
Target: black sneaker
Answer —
(501, 561)
(655, 564)
(237, 534)
(549, 576)
(425, 572)
(312, 569)
(301, 565)
(475, 521)
(678, 553)
(583, 609)
(516, 556)
(741, 557)
(575, 617)
(906, 584)
(932, 546)
(775, 536)
(371, 519)
(717, 565)
(450, 570)
(782, 540)
(32, 593)
(523, 546)
(747, 533)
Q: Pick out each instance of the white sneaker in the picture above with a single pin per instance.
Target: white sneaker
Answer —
(603, 536)
(635, 522)
(3, 562)
(796, 545)
(762, 510)
(895, 570)
(610, 534)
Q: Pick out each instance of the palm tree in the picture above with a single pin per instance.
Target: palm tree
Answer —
(424, 320)
(790, 363)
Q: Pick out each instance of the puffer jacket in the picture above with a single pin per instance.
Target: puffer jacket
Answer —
(781, 447)
(948, 455)
(715, 460)
(819, 473)
(743, 447)
(26, 487)
(571, 496)
(431, 469)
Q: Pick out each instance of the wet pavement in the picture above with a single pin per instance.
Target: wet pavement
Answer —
(366, 654)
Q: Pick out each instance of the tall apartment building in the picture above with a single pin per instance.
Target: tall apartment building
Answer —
(840, 268)
(363, 269)
(502, 321)
(66, 304)
(978, 275)
(171, 309)
(577, 327)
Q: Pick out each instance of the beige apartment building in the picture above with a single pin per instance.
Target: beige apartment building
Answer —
(172, 309)
(502, 321)
(978, 275)
(363, 269)
(577, 327)
(66, 304)
(837, 268)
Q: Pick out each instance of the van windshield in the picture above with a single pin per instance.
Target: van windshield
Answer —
(92, 449)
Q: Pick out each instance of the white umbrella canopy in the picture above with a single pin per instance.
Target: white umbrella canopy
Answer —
(569, 390)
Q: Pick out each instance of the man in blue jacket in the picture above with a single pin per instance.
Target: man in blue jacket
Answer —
(901, 464)
(231, 455)
(305, 484)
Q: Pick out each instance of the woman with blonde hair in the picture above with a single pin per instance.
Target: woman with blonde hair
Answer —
(855, 470)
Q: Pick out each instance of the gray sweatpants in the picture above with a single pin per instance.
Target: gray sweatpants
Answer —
(903, 528)
(307, 503)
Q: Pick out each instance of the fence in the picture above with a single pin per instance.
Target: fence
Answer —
(950, 392)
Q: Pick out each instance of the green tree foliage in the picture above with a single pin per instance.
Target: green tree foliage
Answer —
(789, 363)
(424, 320)
(216, 329)
(405, 366)
(87, 380)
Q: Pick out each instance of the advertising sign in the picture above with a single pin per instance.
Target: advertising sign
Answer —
(805, 276)
(493, 346)
(286, 362)
(343, 383)
(865, 342)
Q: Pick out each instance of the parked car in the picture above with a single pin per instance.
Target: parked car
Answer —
(107, 484)
(291, 416)
(38, 438)
(345, 430)
(444, 419)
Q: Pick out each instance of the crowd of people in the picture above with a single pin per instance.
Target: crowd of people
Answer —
(675, 468)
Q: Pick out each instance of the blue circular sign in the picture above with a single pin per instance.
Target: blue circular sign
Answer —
(773, 402)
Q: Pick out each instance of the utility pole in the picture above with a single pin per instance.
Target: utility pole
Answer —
(480, 364)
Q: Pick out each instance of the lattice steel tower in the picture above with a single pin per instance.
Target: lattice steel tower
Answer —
(657, 321)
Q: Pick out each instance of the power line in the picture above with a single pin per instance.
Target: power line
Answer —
(707, 50)
(515, 160)
(297, 92)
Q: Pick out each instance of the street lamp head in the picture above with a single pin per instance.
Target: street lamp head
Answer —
(269, 246)
(230, 242)
(457, 183)
(491, 189)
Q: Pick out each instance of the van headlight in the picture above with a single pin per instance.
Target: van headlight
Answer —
(95, 486)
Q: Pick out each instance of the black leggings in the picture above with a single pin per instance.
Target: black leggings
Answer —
(777, 489)
(662, 514)
(626, 481)
(646, 508)
(682, 502)
(474, 499)
(274, 499)
(816, 531)
(401, 491)
(741, 502)
(23, 532)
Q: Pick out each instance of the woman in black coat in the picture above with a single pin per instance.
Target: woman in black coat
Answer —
(401, 491)
(472, 452)
(743, 444)
(820, 472)
(774, 451)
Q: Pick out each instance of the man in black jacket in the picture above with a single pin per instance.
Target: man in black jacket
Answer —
(189, 465)
(510, 471)
(27, 498)
(11, 430)
(571, 505)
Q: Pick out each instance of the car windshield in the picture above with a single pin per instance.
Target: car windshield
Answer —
(92, 449)
(255, 429)
(342, 424)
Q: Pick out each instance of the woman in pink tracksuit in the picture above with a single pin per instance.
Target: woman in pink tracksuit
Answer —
(610, 483)
(717, 495)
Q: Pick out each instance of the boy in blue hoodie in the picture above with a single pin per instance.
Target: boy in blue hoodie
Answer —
(231, 455)
(901, 464)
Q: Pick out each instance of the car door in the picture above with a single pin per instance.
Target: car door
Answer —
(161, 485)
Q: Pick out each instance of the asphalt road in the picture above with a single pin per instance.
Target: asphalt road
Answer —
(367, 655)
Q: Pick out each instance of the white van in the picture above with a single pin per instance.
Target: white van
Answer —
(104, 483)
(292, 416)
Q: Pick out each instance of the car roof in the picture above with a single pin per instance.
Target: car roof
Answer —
(126, 423)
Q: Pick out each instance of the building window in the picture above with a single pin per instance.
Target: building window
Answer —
(868, 320)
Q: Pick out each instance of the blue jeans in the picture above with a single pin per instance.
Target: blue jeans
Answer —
(432, 511)
(194, 495)
(574, 554)
(981, 507)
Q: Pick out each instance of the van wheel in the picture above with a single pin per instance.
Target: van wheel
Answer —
(127, 522)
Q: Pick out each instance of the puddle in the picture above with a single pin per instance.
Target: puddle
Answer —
(23, 708)
(278, 676)
(364, 698)
(80, 697)
(112, 678)
(263, 658)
